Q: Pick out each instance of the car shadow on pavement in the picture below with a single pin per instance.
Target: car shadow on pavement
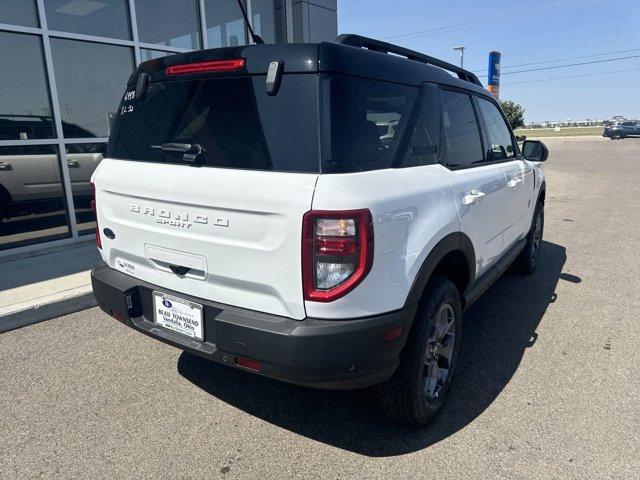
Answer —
(499, 327)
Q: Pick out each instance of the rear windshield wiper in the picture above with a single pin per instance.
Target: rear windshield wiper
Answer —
(191, 151)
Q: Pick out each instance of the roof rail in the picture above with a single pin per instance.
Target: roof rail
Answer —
(384, 47)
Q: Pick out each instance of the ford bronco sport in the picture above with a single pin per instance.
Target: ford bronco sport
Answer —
(256, 208)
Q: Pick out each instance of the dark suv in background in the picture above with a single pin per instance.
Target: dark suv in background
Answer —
(618, 131)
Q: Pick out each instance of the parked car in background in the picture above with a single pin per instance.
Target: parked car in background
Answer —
(618, 131)
(30, 179)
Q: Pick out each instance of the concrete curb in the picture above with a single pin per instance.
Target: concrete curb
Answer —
(40, 313)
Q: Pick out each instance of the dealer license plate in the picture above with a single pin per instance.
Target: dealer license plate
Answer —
(178, 314)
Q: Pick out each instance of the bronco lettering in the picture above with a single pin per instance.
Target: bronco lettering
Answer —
(181, 219)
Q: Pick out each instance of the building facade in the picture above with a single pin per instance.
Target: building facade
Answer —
(64, 66)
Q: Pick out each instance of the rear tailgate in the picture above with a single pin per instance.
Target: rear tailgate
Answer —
(239, 233)
(223, 224)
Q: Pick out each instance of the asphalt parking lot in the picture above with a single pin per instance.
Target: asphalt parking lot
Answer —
(548, 385)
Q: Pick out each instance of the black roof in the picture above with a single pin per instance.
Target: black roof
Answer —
(349, 54)
(384, 47)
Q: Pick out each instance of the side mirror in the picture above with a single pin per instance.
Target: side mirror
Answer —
(535, 150)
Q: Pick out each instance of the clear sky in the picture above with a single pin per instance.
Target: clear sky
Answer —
(531, 33)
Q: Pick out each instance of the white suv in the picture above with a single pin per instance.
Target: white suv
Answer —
(250, 212)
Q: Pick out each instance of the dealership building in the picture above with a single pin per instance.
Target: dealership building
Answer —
(64, 67)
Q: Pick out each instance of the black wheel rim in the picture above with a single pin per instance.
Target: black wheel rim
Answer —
(440, 351)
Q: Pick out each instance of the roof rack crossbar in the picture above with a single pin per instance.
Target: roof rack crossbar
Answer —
(384, 47)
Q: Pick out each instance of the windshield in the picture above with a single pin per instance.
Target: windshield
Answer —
(233, 119)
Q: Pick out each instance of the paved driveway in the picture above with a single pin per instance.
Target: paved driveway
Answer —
(549, 385)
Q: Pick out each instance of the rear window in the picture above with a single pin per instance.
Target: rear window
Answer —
(238, 125)
(233, 119)
(367, 122)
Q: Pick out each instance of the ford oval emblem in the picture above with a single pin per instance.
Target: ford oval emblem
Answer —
(109, 233)
(167, 303)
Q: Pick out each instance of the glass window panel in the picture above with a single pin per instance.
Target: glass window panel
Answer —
(89, 92)
(235, 121)
(167, 22)
(25, 109)
(146, 54)
(424, 142)
(461, 134)
(368, 119)
(32, 206)
(267, 20)
(225, 25)
(105, 18)
(19, 12)
(500, 144)
(82, 160)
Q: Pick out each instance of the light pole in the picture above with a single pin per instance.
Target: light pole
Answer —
(461, 50)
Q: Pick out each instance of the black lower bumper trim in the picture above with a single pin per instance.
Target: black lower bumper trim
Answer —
(334, 354)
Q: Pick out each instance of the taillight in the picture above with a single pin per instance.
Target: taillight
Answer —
(94, 209)
(210, 66)
(337, 252)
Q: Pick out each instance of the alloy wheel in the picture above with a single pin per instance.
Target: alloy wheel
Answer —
(440, 351)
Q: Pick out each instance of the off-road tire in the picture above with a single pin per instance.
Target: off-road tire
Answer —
(528, 260)
(404, 396)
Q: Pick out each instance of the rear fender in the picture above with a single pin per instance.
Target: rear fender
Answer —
(456, 241)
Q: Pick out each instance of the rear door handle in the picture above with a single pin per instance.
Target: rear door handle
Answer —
(472, 197)
(5, 166)
(73, 164)
(514, 182)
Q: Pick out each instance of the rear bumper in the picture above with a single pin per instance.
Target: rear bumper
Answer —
(333, 354)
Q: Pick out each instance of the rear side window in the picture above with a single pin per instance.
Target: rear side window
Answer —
(460, 128)
(424, 139)
(233, 119)
(500, 143)
(367, 121)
